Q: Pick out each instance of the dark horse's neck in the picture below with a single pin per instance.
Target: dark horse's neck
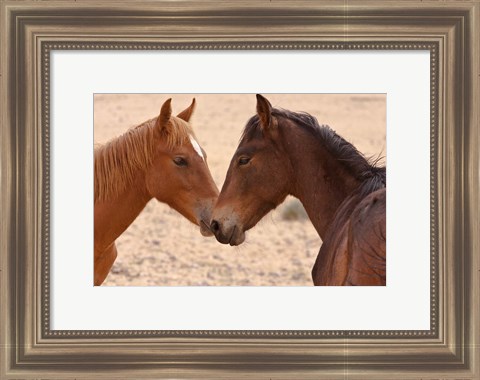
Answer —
(322, 181)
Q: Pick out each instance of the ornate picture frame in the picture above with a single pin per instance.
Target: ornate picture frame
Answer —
(32, 30)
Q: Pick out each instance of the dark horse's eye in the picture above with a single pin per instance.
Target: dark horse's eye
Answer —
(180, 161)
(243, 160)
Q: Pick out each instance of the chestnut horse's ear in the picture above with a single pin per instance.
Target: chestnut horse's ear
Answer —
(264, 111)
(186, 114)
(165, 114)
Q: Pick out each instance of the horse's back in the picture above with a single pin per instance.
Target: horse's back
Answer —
(354, 252)
(368, 241)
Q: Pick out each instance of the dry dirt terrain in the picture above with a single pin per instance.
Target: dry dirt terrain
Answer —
(161, 248)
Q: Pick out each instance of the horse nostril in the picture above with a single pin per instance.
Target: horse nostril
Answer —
(215, 227)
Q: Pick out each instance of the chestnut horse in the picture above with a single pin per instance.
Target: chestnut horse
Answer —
(158, 159)
(344, 194)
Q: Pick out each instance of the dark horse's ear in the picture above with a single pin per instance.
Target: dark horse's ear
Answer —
(186, 114)
(264, 111)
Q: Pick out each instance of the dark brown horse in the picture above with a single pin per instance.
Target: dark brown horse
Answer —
(344, 194)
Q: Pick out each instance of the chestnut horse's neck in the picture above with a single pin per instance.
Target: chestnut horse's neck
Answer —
(112, 217)
(321, 181)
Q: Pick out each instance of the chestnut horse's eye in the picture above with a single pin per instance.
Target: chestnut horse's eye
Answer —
(243, 160)
(180, 161)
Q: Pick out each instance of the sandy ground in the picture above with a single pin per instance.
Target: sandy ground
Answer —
(163, 248)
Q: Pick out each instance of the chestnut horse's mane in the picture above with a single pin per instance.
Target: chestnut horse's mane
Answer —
(118, 161)
(363, 168)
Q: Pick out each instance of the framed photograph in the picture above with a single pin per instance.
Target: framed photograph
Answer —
(165, 227)
(262, 118)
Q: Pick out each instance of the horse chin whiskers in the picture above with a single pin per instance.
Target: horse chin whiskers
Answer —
(242, 247)
(231, 237)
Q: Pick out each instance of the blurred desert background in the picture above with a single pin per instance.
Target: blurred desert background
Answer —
(161, 248)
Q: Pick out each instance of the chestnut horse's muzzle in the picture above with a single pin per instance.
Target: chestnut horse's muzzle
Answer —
(204, 215)
(205, 229)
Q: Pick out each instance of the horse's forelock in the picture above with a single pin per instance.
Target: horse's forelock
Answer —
(178, 133)
(252, 129)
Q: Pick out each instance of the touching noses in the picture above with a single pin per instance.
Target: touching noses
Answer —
(215, 227)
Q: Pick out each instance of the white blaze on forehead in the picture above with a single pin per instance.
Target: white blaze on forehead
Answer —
(196, 146)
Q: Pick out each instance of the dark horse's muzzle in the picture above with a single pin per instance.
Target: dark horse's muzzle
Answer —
(219, 234)
(225, 235)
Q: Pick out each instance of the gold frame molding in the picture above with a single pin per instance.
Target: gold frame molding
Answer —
(31, 30)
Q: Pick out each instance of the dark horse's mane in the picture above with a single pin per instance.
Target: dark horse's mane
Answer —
(365, 169)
